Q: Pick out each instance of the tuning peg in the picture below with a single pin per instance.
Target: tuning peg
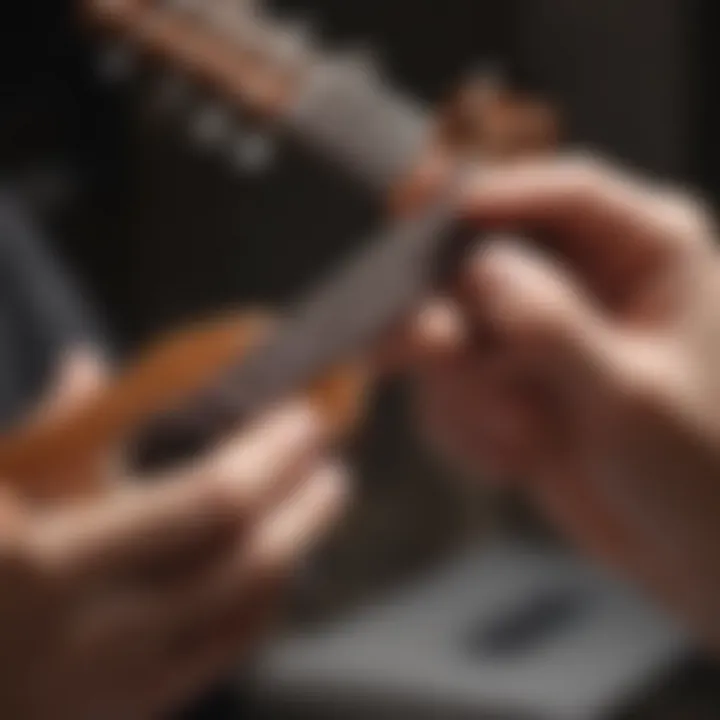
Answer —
(253, 152)
(210, 126)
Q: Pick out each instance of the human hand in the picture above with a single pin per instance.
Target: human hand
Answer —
(80, 372)
(131, 605)
(585, 364)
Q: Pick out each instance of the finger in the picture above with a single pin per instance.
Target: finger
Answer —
(228, 617)
(265, 462)
(80, 374)
(275, 545)
(482, 416)
(593, 213)
(436, 330)
(292, 530)
(202, 510)
(540, 314)
(581, 194)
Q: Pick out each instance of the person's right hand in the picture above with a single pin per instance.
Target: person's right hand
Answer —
(129, 606)
(585, 361)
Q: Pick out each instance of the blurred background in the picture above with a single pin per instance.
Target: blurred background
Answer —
(158, 232)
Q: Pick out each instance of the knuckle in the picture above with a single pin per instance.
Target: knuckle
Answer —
(585, 176)
(647, 387)
(493, 260)
(687, 217)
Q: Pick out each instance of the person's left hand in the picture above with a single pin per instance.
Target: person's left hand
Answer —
(130, 604)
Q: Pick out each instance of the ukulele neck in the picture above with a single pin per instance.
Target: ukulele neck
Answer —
(336, 106)
(372, 133)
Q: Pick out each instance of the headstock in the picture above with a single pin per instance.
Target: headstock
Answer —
(219, 65)
(225, 64)
(231, 65)
(220, 44)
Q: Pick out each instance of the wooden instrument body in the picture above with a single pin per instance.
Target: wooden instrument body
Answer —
(65, 457)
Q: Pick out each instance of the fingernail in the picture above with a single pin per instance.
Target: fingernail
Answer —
(281, 437)
(440, 325)
(335, 481)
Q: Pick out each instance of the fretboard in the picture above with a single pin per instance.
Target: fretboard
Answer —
(389, 277)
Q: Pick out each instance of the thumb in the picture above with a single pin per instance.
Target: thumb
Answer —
(535, 308)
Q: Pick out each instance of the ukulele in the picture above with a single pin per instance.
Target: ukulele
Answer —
(200, 383)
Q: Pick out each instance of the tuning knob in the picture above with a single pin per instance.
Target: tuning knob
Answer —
(210, 126)
(253, 152)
